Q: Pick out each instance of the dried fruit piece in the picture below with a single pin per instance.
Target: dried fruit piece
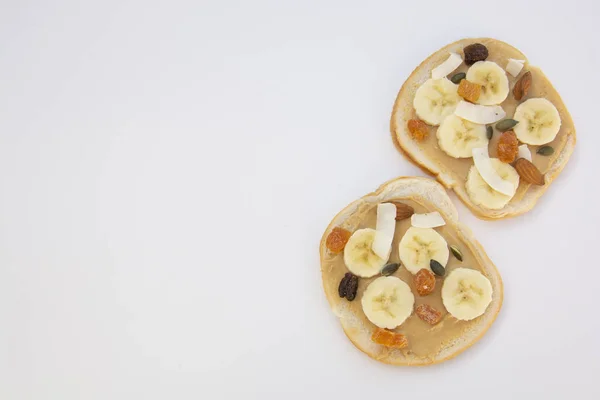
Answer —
(389, 338)
(424, 281)
(522, 86)
(490, 132)
(343, 284)
(506, 124)
(418, 129)
(352, 287)
(545, 151)
(475, 52)
(456, 252)
(469, 91)
(337, 239)
(437, 268)
(456, 78)
(508, 147)
(529, 172)
(428, 314)
(390, 269)
(403, 211)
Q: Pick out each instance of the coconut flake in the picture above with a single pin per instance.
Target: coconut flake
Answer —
(479, 114)
(514, 67)
(451, 63)
(485, 168)
(428, 220)
(385, 227)
(524, 152)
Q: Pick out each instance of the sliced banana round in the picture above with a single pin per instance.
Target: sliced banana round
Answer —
(435, 100)
(387, 302)
(539, 121)
(493, 81)
(466, 293)
(359, 256)
(421, 245)
(458, 137)
(483, 194)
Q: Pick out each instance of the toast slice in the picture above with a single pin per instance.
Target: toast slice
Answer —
(451, 172)
(433, 344)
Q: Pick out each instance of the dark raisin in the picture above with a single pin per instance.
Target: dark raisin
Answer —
(351, 287)
(343, 284)
(475, 52)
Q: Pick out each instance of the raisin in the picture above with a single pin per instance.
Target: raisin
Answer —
(389, 338)
(508, 147)
(337, 239)
(475, 52)
(469, 91)
(351, 287)
(424, 281)
(343, 284)
(418, 129)
(428, 314)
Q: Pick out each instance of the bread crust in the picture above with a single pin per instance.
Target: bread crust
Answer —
(403, 143)
(432, 194)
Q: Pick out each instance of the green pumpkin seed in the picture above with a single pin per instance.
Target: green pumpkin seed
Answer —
(437, 268)
(390, 269)
(506, 124)
(545, 151)
(490, 132)
(455, 250)
(456, 78)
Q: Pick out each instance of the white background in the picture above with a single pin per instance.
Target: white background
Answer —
(167, 171)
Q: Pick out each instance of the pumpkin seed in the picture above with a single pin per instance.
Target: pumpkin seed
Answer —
(456, 78)
(456, 251)
(490, 132)
(545, 151)
(390, 269)
(506, 124)
(437, 268)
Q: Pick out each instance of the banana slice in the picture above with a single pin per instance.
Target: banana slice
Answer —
(493, 80)
(539, 121)
(419, 246)
(359, 256)
(435, 100)
(387, 302)
(458, 137)
(483, 194)
(466, 293)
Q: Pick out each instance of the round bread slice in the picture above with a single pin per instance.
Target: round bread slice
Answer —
(451, 176)
(357, 328)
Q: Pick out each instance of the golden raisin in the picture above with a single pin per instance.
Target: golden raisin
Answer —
(337, 239)
(424, 281)
(418, 129)
(389, 338)
(469, 91)
(508, 147)
(428, 314)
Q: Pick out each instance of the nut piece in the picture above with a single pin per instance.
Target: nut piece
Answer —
(389, 338)
(418, 129)
(475, 52)
(469, 91)
(522, 86)
(337, 239)
(424, 281)
(529, 172)
(508, 147)
(428, 314)
(403, 211)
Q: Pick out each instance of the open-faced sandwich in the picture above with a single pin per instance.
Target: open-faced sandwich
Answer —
(409, 283)
(486, 123)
